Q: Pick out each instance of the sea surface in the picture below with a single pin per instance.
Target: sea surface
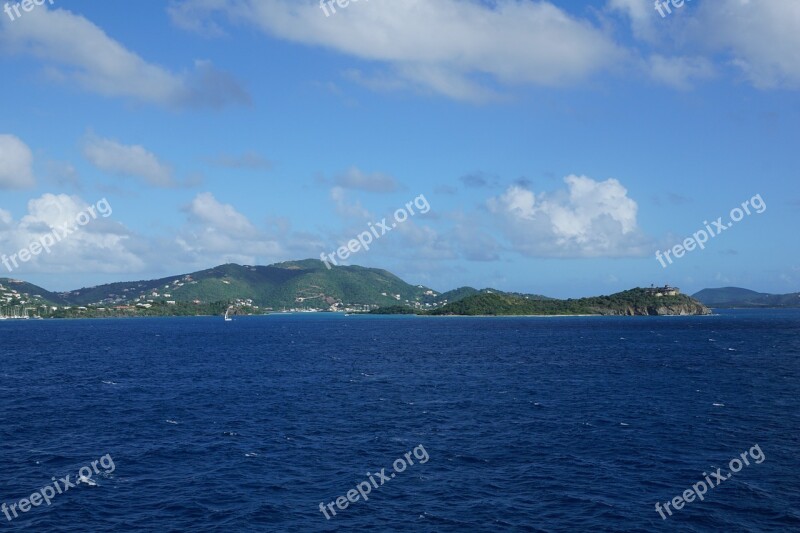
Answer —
(527, 424)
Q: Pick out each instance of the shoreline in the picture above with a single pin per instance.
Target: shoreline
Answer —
(538, 316)
(341, 315)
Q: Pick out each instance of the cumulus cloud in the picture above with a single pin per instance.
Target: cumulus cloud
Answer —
(217, 233)
(450, 47)
(205, 209)
(127, 161)
(213, 233)
(589, 219)
(101, 245)
(77, 51)
(16, 163)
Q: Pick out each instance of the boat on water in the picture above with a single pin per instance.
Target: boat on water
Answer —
(227, 315)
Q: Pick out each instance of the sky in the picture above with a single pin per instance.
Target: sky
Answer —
(549, 147)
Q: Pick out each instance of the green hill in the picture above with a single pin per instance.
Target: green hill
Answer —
(729, 297)
(310, 285)
(28, 292)
(292, 285)
(631, 302)
(457, 294)
(295, 284)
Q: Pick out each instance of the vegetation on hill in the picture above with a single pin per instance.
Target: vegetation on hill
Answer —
(32, 292)
(744, 298)
(292, 285)
(296, 284)
(309, 285)
(631, 302)
(458, 294)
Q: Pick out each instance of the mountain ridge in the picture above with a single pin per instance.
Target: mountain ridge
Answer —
(307, 284)
(299, 285)
(737, 297)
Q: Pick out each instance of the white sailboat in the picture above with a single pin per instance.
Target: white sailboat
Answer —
(227, 315)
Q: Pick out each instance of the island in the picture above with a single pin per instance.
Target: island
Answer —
(664, 301)
(308, 286)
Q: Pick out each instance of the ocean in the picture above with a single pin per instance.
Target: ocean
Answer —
(320, 422)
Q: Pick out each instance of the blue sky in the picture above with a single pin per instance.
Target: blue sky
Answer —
(559, 144)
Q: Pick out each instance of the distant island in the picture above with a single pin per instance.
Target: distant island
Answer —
(738, 298)
(634, 302)
(308, 286)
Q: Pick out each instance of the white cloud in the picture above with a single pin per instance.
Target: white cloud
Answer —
(189, 17)
(447, 46)
(589, 219)
(77, 51)
(5, 219)
(218, 233)
(101, 245)
(16, 163)
(641, 14)
(761, 37)
(447, 81)
(207, 210)
(127, 160)
(347, 209)
(680, 72)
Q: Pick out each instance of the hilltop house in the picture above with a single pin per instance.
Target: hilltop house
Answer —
(666, 290)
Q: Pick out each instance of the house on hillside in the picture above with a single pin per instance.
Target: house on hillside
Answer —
(666, 290)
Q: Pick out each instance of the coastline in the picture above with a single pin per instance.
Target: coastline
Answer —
(342, 316)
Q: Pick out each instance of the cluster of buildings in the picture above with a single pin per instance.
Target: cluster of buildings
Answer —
(143, 296)
(429, 296)
(666, 290)
(150, 296)
(14, 304)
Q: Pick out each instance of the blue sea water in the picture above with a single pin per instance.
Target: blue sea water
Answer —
(529, 424)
